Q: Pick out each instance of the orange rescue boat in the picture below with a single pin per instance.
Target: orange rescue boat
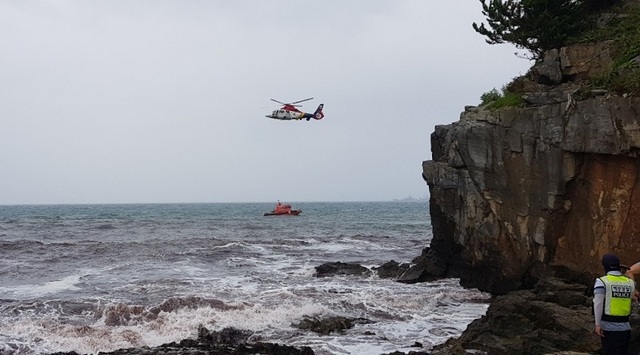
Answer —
(282, 209)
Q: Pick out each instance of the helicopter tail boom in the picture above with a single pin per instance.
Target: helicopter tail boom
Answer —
(318, 114)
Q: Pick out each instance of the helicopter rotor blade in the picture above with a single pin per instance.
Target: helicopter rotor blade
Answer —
(299, 101)
(281, 103)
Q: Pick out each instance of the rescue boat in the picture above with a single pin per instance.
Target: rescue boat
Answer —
(283, 209)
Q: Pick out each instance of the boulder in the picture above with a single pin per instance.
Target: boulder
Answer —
(392, 270)
(340, 268)
(554, 317)
(329, 325)
(575, 63)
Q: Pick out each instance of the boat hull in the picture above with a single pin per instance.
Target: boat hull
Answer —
(290, 213)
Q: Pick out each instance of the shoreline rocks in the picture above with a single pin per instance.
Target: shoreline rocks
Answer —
(340, 268)
(552, 317)
(228, 341)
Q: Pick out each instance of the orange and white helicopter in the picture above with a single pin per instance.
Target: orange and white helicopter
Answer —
(288, 111)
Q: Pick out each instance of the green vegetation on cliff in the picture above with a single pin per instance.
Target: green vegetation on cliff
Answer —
(538, 25)
(623, 28)
(541, 25)
(495, 99)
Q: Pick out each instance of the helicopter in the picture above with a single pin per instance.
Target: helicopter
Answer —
(288, 111)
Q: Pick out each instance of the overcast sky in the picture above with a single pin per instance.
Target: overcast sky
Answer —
(165, 101)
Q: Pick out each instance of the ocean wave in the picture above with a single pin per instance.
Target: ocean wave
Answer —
(19, 244)
(122, 314)
(39, 290)
(106, 226)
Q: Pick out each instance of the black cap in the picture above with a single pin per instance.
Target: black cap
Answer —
(610, 262)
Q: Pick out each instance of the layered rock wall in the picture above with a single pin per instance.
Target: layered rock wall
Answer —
(521, 193)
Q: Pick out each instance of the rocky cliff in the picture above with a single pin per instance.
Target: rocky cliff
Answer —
(524, 201)
(521, 193)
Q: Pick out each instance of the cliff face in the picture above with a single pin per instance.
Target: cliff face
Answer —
(522, 193)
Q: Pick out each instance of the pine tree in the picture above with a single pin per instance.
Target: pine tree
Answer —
(537, 25)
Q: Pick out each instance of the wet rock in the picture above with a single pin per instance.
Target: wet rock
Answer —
(340, 268)
(189, 302)
(229, 341)
(392, 270)
(552, 318)
(122, 314)
(329, 325)
(428, 266)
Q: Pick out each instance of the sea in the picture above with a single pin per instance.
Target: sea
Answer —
(97, 278)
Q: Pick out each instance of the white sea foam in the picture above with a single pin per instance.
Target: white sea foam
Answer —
(153, 331)
(226, 246)
(413, 313)
(38, 290)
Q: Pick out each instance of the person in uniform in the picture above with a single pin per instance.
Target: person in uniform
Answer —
(613, 295)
